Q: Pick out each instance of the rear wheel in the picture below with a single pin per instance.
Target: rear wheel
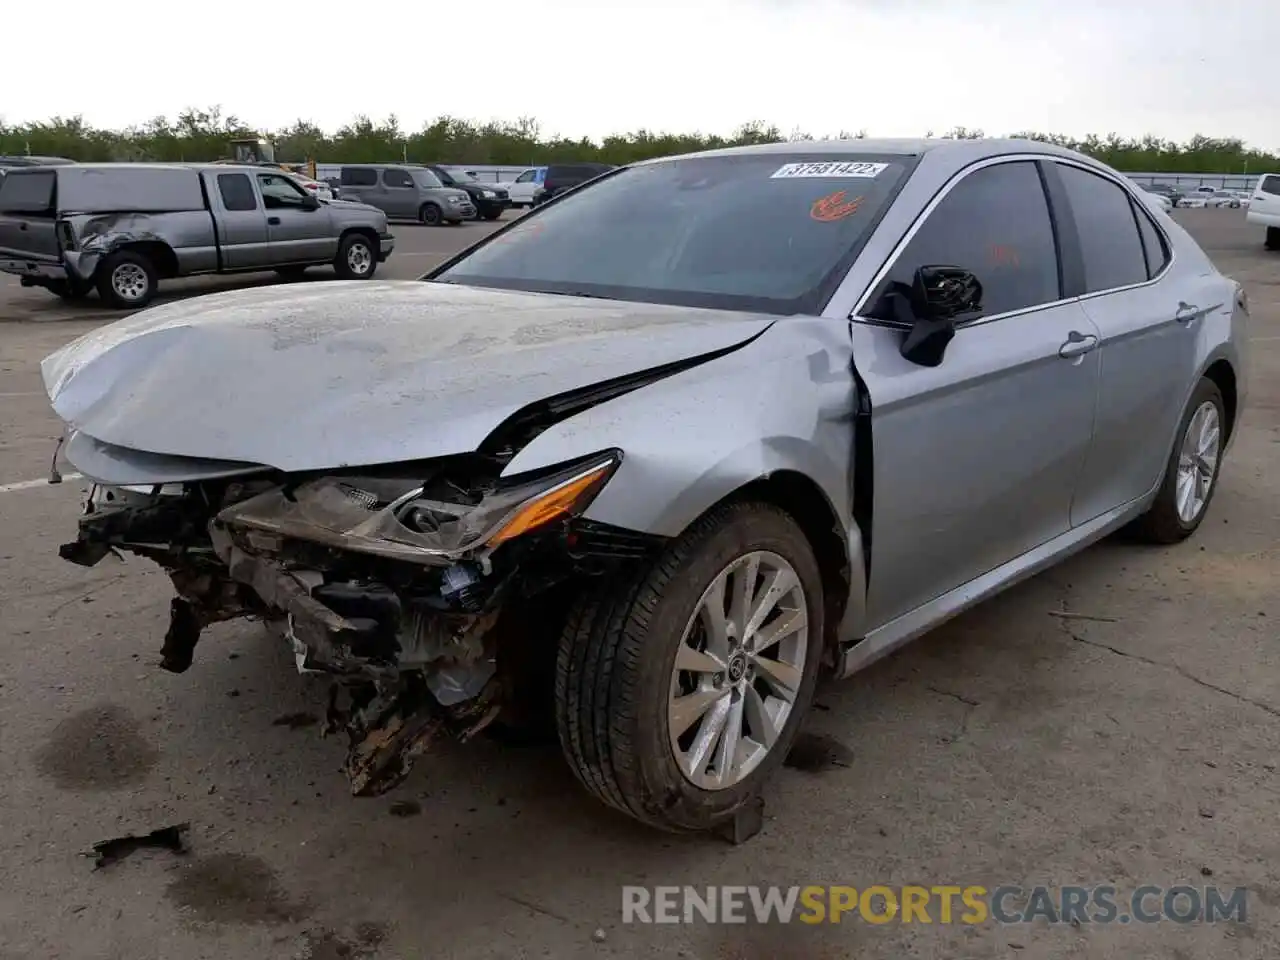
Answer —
(1273, 238)
(431, 215)
(1191, 475)
(127, 280)
(356, 259)
(680, 689)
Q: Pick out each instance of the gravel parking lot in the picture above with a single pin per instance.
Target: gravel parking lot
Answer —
(1133, 743)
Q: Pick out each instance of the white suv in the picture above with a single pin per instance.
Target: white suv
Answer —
(1264, 208)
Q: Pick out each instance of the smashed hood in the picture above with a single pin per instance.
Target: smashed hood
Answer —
(326, 375)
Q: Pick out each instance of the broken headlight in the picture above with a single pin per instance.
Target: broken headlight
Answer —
(406, 520)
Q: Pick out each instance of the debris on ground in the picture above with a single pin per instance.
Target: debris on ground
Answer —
(108, 852)
(406, 808)
(1068, 615)
(296, 721)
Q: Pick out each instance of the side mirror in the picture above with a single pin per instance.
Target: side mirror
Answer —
(939, 295)
(310, 202)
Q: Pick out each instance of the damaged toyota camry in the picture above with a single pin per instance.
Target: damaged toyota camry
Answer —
(649, 461)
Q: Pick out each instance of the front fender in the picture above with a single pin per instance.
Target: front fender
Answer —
(783, 402)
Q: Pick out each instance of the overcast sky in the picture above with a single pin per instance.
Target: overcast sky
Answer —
(591, 67)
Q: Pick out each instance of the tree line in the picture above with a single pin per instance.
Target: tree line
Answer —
(198, 135)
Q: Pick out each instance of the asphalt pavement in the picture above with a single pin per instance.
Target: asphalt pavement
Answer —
(1132, 741)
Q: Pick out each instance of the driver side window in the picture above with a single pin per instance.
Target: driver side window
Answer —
(527, 176)
(280, 192)
(995, 223)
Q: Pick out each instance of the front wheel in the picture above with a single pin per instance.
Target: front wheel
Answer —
(356, 259)
(127, 280)
(1191, 474)
(493, 215)
(680, 689)
(431, 215)
(1273, 238)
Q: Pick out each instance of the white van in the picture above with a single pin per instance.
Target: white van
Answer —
(1264, 208)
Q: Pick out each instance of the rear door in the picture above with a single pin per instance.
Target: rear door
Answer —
(28, 216)
(1149, 320)
(975, 461)
(241, 223)
(361, 183)
(298, 233)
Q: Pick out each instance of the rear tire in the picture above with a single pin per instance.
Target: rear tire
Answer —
(357, 258)
(1273, 238)
(1190, 479)
(431, 215)
(617, 679)
(127, 280)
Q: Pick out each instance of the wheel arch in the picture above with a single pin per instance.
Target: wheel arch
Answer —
(1223, 375)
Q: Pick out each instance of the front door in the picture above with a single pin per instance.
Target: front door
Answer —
(976, 460)
(299, 231)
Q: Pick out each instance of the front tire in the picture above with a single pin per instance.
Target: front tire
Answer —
(431, 215)
(357, 258)
(680, 688)
(1272, 241)
(127, 280)
(1191, 475)
(493, 215)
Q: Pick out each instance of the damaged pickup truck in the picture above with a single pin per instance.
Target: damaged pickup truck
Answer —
(651, 459)
(124, 227)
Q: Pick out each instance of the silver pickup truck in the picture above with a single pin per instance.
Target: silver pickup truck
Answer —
(123, 227)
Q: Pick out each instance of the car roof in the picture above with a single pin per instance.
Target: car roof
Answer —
(959, 151)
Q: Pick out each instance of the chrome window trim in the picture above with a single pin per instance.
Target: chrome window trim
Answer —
(921, 218)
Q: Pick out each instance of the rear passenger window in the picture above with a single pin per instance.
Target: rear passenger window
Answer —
(995, 222)
(1153, 243)
(237, 191)
(1109, 240)
(358, 177)
(23, 191)
(397, 178)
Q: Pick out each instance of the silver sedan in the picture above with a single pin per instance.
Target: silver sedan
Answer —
(645, 463)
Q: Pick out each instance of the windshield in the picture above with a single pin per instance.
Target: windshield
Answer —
(425, 178)
(764, 232)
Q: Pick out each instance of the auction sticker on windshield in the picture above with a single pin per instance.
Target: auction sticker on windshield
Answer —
(830, 168)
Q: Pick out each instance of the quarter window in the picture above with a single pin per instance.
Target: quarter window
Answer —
(237, 192)
(1153, 242)
(995, 222)
(358, 177)
(396, 178)
(1109, 240)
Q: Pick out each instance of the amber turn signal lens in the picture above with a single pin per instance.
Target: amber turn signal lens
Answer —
(545, 507)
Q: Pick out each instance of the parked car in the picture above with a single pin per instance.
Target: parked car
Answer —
(316, 188)
(1222, 198)
(1158, 200)
(1264, 208)
(664, 451)
(124, 227)
(561, 177)
(1172, 194)
(406, 191)
(489, 199)
(521, 189)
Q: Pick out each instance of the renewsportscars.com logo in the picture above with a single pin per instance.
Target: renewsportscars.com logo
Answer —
(944, 904)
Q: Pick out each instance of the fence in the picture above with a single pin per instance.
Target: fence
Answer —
(1189, 181)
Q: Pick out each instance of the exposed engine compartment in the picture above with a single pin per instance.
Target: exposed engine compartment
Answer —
(409, 586)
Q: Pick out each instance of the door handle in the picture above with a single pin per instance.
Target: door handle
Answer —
(1186, 312)
(1077, 345)
(273, 221)
(22, 226)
